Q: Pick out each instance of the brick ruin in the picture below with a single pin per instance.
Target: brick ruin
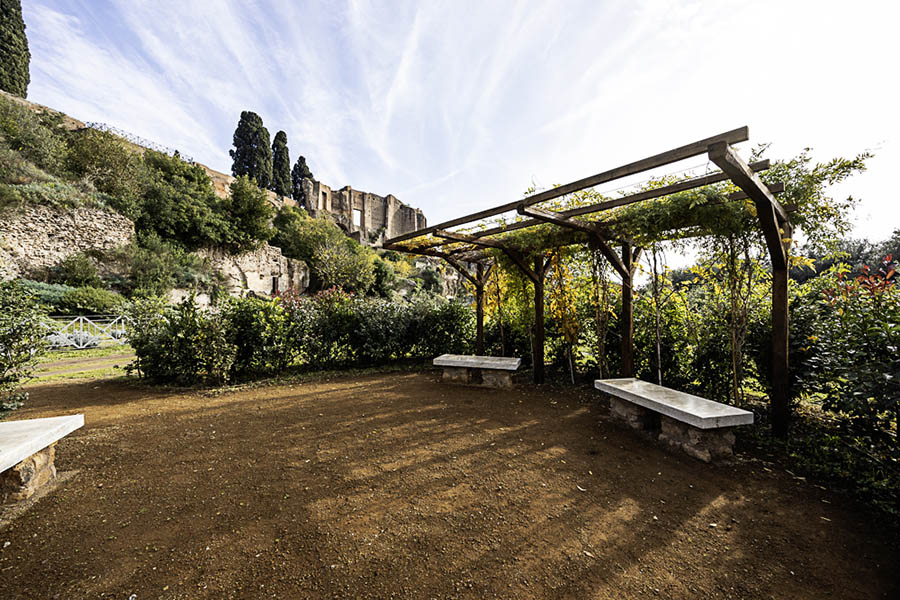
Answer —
(366, 217)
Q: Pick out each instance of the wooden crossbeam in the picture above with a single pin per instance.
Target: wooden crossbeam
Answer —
(674, 188)
(771, 214)
(469, 239)
(734, 136)
(743, 176)
(667, 190)
(597, 233)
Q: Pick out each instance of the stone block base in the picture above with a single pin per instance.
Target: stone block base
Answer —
(23, 480)
(456, 375)
(483, 377)
(497, 379)
(708, 445)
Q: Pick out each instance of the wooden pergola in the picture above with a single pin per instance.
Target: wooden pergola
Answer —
(466, 253)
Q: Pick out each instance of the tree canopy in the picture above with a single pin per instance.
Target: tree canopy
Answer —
(14, 53)
(252, 153)
(298, 174)
(281, 165)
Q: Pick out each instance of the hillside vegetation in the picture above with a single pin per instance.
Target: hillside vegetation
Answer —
(175, 210)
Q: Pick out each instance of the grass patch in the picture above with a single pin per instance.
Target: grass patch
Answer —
(57, 355)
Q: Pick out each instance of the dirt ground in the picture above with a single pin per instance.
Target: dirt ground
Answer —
(398, 486)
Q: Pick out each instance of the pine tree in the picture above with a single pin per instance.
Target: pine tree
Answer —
(281, 165)
(14, 54)
(252, 154)
(298, 174)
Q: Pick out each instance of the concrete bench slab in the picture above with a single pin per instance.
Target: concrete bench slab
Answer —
(490, 371)
(700, 427)
(27, 452)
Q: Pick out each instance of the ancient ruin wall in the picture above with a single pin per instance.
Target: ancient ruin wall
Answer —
(368, 217)
(38, 237)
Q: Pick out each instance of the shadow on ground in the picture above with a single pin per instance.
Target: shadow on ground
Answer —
(399, 486)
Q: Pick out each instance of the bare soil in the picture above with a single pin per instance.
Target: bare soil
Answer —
(398, 486)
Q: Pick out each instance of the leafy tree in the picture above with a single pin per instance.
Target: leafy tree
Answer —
(21, 341)
(298, 235)
(281, 165)
(103, 159)
(249, 212)
(252, 153)
(14, 54)
(337, 263)
(298, 174)
(180, 203)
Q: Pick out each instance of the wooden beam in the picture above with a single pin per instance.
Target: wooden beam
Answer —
(771, 214)
(519, 260)
(743, 176)
(660, 192)
(742, 134)
(596, 232)
(469, 239)
(674, 188)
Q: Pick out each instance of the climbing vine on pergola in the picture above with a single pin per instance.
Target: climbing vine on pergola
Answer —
(733, 199)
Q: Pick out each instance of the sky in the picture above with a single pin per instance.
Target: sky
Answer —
(458, 106)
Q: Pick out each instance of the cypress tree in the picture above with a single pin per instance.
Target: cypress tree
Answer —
(298, 174)
(252, 154)
(14, 54)
(281, 165)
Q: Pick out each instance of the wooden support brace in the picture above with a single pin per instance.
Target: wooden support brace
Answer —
(597, 234)
(770, 212)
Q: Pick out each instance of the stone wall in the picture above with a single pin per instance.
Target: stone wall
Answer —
(36, 237)
(368, 217)
(261, 271)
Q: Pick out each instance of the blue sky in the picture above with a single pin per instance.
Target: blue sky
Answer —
(457, 106)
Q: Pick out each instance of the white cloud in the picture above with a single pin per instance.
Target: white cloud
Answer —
(458, 106)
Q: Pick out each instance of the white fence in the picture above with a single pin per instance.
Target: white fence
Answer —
(86, 332)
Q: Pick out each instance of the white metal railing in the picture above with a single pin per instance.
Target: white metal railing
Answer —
(86, 332)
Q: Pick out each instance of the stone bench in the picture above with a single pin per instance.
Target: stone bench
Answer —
(27, 450)
(490, 371)
(699, 427)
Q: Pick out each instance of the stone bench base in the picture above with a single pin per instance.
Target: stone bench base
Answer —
(26, 478)
(707, 445)
(473, 376)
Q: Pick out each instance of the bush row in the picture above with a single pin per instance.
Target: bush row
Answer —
(246, 338)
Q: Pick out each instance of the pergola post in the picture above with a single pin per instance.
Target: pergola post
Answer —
(479, 310)
(627, 320)
(538, 342)
(776, 227)
(780, 406)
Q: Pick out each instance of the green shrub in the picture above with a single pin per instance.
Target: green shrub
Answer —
(21, 341)
(180, 345)
(48, 294)
(180, 204)
(16, 170)
(105, 161)
(35, 136)
(90, 300)
(48, 193)
(152, 266)
(260, 331)
(248, 211)
(76, 270)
